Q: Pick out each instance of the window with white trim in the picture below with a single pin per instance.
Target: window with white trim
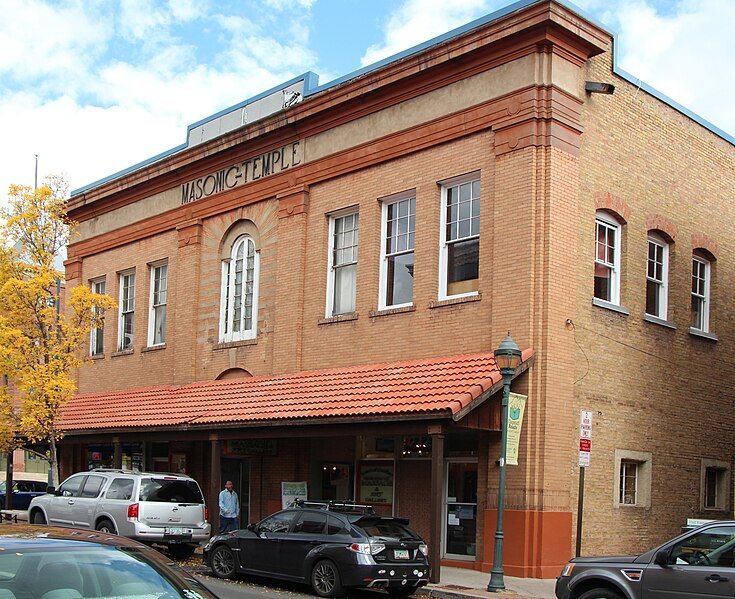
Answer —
(158, 301)
(239, 297)
(97, 336)
(342, 277)
(459, 260)
(607, 258)
(397, 252)
(628, 482)
(126, 302)
(701, 268)
(657, 276)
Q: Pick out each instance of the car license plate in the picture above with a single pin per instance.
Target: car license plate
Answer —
(178, 531)
(400, 553)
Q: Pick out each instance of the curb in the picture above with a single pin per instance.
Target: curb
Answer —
(469, 593)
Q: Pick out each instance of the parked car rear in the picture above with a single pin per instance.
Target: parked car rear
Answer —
(149, 507)
(331, 546)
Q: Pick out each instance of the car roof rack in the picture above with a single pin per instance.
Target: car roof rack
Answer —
(117, 470)
(334, 506)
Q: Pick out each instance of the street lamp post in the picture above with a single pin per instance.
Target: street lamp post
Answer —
(508, 358)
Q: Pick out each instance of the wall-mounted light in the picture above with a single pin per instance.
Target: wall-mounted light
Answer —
(595, 87)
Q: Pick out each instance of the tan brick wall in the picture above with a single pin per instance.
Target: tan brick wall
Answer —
(651, 388)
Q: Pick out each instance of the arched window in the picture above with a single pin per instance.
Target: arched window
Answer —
(607, 257)
(239, 303)
(657, 276)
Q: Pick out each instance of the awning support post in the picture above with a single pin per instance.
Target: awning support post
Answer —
(437, 503)
(214, 484)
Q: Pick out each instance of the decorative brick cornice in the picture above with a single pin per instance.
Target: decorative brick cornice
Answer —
(604, 200)
(704, 242)
(294, 201)
(73, 269)
(190, 233)
(657, 222)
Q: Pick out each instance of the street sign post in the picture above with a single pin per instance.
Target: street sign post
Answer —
(585, 449)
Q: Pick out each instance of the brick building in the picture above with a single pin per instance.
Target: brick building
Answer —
(310, 289)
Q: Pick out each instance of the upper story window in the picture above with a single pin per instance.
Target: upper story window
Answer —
(126, 303)
(158, 300)
(657, 276)
(397, 254)
(342, 278)
(607, 258)
(628, 493)
(459, 261)
(239, 303)
(97, 339)
(701, 276)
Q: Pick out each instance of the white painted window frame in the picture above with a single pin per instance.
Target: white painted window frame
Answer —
(443, 246)
(610, 221)
(624, 465)
(706, 297)
(663, 285)
(93, 333)
(242, 335)
(383, 281)
(332, 217)
(153, 266)
(120, 328)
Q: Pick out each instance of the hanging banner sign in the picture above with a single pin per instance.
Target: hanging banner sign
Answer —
(516, 408)
(585, 438)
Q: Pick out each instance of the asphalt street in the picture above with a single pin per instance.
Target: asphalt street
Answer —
(261, 588)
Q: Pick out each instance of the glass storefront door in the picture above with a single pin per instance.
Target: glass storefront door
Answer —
(460, 511)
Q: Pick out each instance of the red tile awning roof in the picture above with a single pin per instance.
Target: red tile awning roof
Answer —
(433, 387)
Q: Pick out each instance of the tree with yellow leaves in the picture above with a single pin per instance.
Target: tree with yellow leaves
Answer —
(40, 345)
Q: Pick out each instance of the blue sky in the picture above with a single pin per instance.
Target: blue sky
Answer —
(93, 87)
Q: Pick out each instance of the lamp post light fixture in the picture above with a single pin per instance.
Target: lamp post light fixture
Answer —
(508, 357)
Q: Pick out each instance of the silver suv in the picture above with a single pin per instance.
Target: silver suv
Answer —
(149, 507)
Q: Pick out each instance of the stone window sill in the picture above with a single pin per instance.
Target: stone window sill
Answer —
(230, 344)
(452, 301)
(97, 357)
(608, 306)
(153, 348)
(659, 321)
(339, 318)
(389, 311)
(122, 352)
(702, 335)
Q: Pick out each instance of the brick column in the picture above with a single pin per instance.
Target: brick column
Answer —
(184, 295)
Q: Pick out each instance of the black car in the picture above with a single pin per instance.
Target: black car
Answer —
(698, 563)
(42, 562)
(332, 546)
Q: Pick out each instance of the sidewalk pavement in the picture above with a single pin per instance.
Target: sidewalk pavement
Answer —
(460, 583)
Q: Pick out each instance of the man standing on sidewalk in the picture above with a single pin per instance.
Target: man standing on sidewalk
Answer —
(229, 509)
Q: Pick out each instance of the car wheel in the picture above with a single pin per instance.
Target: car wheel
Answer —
(325, 579)
(405, 591)
(106, 526)
(181, 551)
(602, 593)
(223, 562)
(38, 517)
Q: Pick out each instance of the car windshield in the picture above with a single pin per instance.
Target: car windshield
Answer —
(97, 572)
(170, 490)
(387, 529)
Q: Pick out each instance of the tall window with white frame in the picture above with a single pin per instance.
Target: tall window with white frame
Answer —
(607, 258)
(158, 300)
(396, 266)
(342, 282)
(657, 276)
(701, 269)
(126, 323)
(239, 297)
(459, 260)
(628, 482)
(97, 339)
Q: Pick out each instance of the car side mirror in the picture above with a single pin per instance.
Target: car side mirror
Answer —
(662, 558)
(251, 527)
(51, 489)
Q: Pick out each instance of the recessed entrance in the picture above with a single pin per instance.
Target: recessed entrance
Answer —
(238, 471)
(460, 510)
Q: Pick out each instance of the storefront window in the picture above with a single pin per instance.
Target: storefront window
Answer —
(376, 483)
(336, 481)
(461, 509)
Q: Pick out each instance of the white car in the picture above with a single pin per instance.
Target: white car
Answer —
(148, 507)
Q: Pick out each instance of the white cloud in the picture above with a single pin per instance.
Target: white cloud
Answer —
(284, 4)
(416, 21)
